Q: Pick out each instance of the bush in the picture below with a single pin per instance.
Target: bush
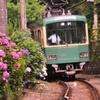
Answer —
(20, 61)
(13, 63)
(36, 60)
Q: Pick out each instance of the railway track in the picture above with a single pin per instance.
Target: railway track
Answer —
(93, 90)
(65, 92)
(60, 90)
(81, 90)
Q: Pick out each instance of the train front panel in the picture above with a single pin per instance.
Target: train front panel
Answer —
(67, 54)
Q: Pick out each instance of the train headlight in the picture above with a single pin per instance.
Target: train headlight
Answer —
(52, 57)
(84, 55)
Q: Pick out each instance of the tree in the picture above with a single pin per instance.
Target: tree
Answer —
(34, 9)
(23, 21)
(3, 16)
(13, 16)
(34, 12)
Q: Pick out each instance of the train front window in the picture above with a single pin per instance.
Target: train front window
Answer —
(67, 32)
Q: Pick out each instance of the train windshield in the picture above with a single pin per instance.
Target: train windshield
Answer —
(67, 32)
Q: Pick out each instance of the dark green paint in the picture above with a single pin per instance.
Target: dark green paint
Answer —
(67, 54)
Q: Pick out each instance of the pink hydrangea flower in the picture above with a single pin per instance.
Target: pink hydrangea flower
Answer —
(7, 37)
(13, 44)
(8, 46)
(2, 53)
(28, 69)
(1, 65)
(5, 75)
(5, 66)
(20, 53)
(1, 41)
(18, 65)
(15, 55)
(6, 80)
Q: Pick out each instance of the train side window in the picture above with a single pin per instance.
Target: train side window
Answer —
(81, 32)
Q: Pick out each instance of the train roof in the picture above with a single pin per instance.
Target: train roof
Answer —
(64, 18)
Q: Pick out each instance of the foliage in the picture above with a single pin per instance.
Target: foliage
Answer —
(98, 1)
(13, 16)
(24, 40)
(34, 9)
(34, 12)
(87, 10)
(13, 65)
(98, 12)
(20, 61)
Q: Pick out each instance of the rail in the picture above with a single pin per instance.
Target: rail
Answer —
(65, 92)
(94, 91)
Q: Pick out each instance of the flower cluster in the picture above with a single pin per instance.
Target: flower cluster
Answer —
(2, 53)
(3, 66)
(5, 76)
(8, 48)
(18, 63)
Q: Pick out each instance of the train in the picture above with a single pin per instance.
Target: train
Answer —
(69, 52)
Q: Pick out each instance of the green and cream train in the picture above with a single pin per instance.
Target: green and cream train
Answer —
(68, 53)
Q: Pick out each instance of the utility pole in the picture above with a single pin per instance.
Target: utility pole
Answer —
(23, 21)
(3, 16)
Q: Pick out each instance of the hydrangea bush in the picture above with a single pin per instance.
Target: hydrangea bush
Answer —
(13, 66)
(37, 60)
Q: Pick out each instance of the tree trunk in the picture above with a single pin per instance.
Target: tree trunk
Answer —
(3, 16)
(23, 15)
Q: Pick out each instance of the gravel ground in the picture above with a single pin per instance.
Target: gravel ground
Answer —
(44, 91)
(51, 90)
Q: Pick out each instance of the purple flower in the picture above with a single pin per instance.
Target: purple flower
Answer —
(25, 51)
(6, 41)
(2, 53)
